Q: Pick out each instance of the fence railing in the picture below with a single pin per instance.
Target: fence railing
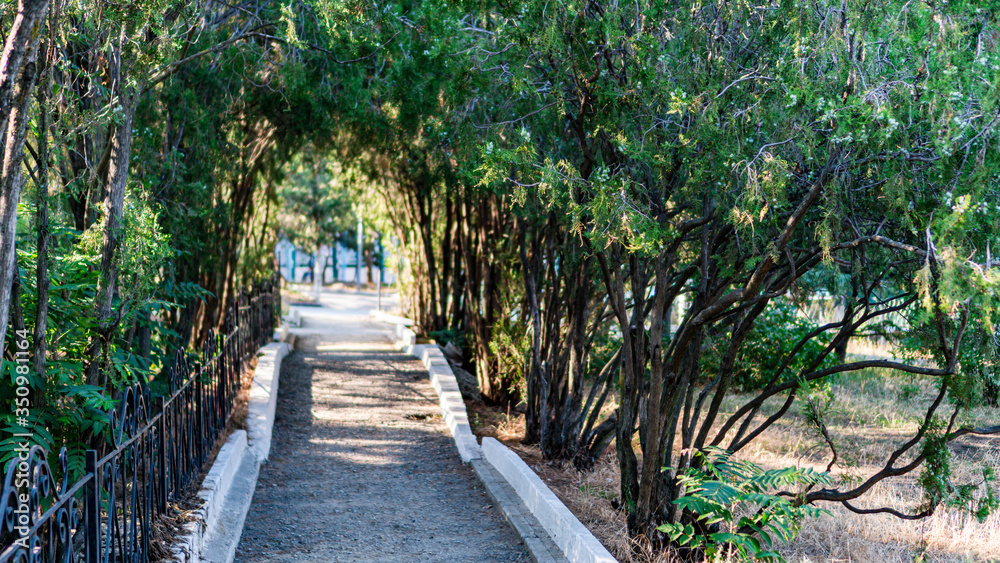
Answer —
(107, 515)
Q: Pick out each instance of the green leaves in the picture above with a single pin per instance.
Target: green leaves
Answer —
(317, 204)
(736, 508)
(774, 336)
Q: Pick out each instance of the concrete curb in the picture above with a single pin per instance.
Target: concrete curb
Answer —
(565, 532)
(444, 382)
(294, 317)
(216, 485)
(215, 532)
(572, 537)
(504, 497)
(452, 405)
(392, 319)
(264, 398)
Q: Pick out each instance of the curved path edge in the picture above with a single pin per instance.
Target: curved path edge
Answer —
(228, 488)
(548, 529)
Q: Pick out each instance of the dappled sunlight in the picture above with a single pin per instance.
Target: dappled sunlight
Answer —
(360, 456)
(364, 452)
(616, 220)
(352, 347)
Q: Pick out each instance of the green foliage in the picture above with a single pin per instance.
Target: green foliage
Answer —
(65, 410)
(935, 475)
(443, 337)
(979, 499)
(734, 508)
(689, 132)
(603, 348)
(979, 378)
(908, 391)
(316, 206)
(771, 341)
(510, 345)
(676, 134)
(144, 251)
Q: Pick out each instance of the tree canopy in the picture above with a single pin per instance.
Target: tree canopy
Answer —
(612, 207)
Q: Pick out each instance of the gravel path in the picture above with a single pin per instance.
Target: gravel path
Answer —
(362, 467)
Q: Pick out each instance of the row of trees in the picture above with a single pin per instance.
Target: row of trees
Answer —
(143, 143)
(615, 203)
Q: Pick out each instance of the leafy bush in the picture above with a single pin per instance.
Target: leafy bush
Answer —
(734, 504)
(443, 337)
(510, 344)
(978, 499)
(65, 410)
(774, 335)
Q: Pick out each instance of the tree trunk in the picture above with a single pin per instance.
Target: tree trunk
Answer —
(16, 313)
(42, 212)
(481, 245)
(17, 78)
(113, 207)
(633, 370)
(369, 265)
(531, 268)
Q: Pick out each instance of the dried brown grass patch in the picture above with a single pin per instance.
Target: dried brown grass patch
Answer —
(871, 414)
(507, 426)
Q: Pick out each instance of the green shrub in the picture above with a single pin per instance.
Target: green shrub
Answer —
(735, 501)
(772, 338)
(73, 412)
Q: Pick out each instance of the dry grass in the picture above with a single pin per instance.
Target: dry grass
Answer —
(873, 413)
(870, 414)
(506, 426)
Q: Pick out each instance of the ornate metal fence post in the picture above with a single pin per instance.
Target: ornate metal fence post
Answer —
(161, 455)
(152, 458)
(255, 313)
(276, 299)
(92, 509)
(199, 421)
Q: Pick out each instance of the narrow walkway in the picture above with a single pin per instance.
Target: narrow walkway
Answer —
(362, 467)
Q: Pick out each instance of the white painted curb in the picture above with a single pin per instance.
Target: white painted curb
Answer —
(294, 317)
(444, 382)
(577, 543)
(572, 537)
(391, 319)
(255, 441)
(216, 484)
(264, 398)
(452, 405)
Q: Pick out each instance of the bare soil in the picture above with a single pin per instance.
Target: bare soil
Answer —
(362, 467)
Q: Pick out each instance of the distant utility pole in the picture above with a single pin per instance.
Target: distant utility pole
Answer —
(361, 240)
(318, 279)
(379, 271)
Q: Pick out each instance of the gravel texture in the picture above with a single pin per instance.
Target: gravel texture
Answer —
(362, 467)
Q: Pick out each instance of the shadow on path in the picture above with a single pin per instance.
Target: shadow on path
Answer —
(362, 467)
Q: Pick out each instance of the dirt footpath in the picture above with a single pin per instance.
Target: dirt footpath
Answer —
(362, 467)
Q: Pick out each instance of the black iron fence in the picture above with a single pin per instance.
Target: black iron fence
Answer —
(158, 450)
